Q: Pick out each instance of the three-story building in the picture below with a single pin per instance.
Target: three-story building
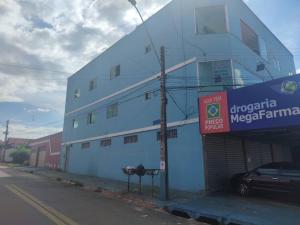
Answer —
(113, 104)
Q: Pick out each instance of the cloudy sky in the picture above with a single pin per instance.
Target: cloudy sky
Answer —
(42, 42)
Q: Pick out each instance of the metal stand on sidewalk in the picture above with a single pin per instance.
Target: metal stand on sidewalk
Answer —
(140, 171)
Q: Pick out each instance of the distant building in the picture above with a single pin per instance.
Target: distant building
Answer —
(113, 107)
(45, 151)
(13, 143)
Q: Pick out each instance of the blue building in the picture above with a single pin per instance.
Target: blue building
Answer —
(113, 104)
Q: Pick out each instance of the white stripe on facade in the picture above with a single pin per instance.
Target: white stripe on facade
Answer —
(134, 131)
(156, 76)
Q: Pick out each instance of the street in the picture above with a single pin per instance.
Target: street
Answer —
(27, 199)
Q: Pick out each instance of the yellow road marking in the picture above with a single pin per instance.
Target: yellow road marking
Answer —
(37, 207)
(50, 209)
(64, 220)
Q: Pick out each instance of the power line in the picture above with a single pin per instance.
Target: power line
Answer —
(174, 101)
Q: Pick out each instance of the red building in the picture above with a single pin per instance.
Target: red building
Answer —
(46, 151)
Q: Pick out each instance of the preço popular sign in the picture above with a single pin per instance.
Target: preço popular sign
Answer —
(214, 113)
(272, 104)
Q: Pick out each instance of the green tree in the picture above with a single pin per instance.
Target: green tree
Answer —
(21, 154)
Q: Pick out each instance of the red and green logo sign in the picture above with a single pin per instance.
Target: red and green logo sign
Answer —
(214, 113)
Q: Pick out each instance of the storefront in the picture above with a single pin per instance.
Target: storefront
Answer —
(245, 128)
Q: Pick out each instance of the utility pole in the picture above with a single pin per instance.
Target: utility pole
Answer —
(164, 178)
(5, 140)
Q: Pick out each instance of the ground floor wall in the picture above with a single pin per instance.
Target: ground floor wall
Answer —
(186, 170)
(53, 161)
(38, 158)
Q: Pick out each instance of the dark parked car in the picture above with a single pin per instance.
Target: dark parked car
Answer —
(276, 176)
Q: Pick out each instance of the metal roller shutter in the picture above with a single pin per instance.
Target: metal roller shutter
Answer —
(215, 162)
(266, 153)
(224, 158)
(254, 157)
(235, 158)
(281, 153)
(257, 154)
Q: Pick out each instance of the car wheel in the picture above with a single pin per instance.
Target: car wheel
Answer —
(243, 189)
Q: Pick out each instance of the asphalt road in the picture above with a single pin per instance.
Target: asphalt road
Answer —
(27, 199)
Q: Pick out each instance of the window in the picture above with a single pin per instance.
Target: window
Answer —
(77, 93)
(91, 118)
(172, 133)
(130, 139)
(112, 111)
(75, 123)
(263, 49)
(244, 77)
(210, 20)
(277, 65)
(92, 84)
(249, 37)
(147, 95)
(85, 145)
(215, 73)
(148, 49)
(105, 142)
(115, 71)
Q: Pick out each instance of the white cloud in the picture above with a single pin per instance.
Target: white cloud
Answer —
(57, 36)
(43, 110)
(298, 71)
(41, 38)
(20, 130)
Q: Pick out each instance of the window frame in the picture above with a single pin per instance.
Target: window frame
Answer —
(76, 93)
(75, 121)
(106, 142)
(211, 61)
(114, 113)
(148, 96)
(112, 74)
(249, 28)
(92, 84)
(169, 134)
(148, 49)
(130, 139)
(226, 18)
(85, 145)
(90, 119)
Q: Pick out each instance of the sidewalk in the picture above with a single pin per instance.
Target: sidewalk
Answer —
(103, 184)
(108, 187)
(226, 209)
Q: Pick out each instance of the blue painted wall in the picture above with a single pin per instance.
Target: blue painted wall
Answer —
(185, 156)
(173, 27)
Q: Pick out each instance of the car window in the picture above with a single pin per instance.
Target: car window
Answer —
(273, 165)
(267, 171)
(290, 166)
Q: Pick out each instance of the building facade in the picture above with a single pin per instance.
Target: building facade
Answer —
(113, 105)
(45, 151)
